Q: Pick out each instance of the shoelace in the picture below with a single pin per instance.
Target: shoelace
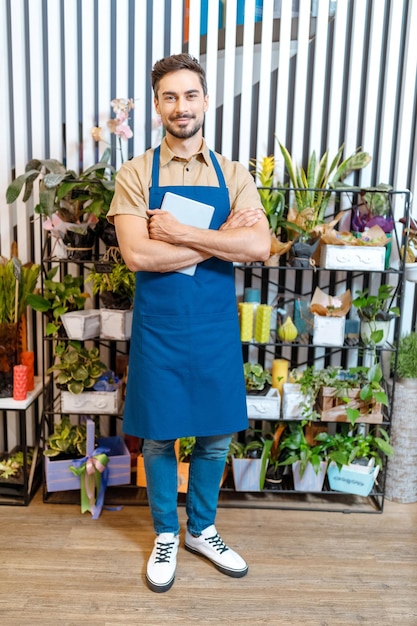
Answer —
(217, 542)
(163, 552)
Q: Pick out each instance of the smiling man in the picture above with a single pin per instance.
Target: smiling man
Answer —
(185, 365)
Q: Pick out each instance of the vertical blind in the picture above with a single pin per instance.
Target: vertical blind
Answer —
(312, 74)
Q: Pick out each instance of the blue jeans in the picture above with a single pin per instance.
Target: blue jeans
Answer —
(206, 469)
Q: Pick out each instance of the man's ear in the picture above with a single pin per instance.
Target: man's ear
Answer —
(206, 103)
(156, 104)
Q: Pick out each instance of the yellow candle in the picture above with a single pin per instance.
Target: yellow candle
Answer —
(246, 321)
(279, 373)
(263, 323)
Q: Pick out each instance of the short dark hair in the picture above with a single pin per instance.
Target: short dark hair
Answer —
(174, 63)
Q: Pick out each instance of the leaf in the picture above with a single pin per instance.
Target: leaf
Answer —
(75, 387)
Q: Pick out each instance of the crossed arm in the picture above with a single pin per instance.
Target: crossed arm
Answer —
(162, 244)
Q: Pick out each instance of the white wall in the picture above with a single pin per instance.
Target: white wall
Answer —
(347, 76)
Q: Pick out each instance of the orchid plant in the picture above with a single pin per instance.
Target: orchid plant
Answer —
(118, 125)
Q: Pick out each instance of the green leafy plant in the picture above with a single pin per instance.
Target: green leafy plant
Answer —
(256, 377)
(345, 447)
(373, 307)
(297, 448)
(272, 199)
(185, 448)
(313, 186)
(116, 288)
(58, 297)
(72, 196)
(78, 368)
(67, 439)
(12, 464)
(17, 282)
(369, 380)
(406, 362)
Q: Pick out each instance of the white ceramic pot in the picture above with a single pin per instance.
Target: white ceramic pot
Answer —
(367, 328)
(411, 272)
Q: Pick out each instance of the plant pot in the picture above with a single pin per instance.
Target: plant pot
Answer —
(353, 478)
(309, 481)
(367, 328)
(302, 251)
(411, 272)
(111, 300)
(81, 325)
(79, 244)
(107, 233)
(8, 358)
(93, 402)
(116, 324)
(247, 474)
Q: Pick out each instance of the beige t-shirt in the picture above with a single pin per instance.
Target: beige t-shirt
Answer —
(134, 179)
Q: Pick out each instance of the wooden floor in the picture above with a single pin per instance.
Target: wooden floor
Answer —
(305, 568)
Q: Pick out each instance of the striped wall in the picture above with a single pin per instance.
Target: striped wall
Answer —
(314, 74)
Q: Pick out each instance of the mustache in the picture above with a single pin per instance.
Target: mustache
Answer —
(183, 117)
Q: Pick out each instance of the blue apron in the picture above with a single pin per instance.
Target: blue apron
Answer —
(185, 365)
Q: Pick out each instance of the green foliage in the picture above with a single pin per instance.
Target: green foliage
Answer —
(65, 192)
(11, 464)
(374, 307)
(13, 302)
(272, 199)
(297, 448)
(377, 199)
(256, 377)
(78, 368)
(58, 298)
(186, 447)
(407, 357)
(67, 438)
(313, 185)
(369, 379)
(120, 281)
(344, 447)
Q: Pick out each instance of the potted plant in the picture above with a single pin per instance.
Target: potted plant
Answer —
(375, 312)
(249, 461)
(17, 282)
(272, 197)
(58, 298)
(355, 458)
(67, 441)
(70, 203)
(80, 375)
(373, 208)
(312, 192)
(308, 461)
(116, 289)
(11, 465)
(334, 394)
(257, 379)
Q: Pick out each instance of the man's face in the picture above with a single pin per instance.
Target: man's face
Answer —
(181, 103)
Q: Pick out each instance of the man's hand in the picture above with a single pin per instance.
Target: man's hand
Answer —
(242, 218)
(163, 226)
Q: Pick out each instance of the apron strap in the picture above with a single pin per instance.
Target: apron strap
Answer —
(155, 169)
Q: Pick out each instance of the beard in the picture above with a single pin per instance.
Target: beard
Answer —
(184, 133)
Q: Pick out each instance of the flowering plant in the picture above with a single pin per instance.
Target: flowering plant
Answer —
(118, 125)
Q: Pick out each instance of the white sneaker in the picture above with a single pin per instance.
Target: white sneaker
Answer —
(160, 571)
(210, 545)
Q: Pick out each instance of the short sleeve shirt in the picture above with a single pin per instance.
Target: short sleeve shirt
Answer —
(134, 179)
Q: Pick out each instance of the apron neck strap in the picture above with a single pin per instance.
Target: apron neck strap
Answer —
(155, 168)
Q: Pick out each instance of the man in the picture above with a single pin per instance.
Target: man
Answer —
(185, 366)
